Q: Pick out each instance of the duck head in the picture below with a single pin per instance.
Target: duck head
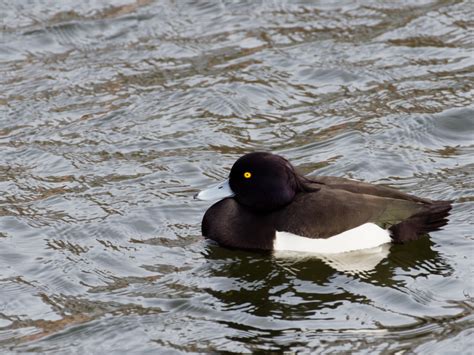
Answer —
(259, 181)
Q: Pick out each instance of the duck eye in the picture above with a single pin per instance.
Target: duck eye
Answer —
(247, 175)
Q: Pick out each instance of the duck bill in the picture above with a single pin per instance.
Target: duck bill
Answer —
(216, 192)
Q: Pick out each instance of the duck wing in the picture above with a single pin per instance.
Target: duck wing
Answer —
(360, 187)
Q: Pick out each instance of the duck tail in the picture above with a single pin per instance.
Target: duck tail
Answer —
(431, 219)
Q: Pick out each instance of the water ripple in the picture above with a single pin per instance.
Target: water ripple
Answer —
(115, 113)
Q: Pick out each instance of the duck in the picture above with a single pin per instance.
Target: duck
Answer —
(265, 204)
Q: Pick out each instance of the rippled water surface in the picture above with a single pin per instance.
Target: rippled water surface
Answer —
(114, 113)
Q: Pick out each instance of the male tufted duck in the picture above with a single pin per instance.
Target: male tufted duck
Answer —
(265, 204)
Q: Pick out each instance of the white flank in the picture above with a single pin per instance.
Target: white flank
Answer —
(365, 236)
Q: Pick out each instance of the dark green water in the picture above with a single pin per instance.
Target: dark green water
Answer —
(113, 114)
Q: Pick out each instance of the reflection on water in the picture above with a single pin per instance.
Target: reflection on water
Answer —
(269, 294)
(355, 262)
(113, 114)
(273, 274)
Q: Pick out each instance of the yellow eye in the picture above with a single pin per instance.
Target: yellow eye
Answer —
(247, 175)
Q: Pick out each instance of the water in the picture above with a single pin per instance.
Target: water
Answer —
(114, 113)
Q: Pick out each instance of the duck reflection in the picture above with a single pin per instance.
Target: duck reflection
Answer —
(291, 286)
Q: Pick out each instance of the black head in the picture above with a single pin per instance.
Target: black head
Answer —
(264, 181)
